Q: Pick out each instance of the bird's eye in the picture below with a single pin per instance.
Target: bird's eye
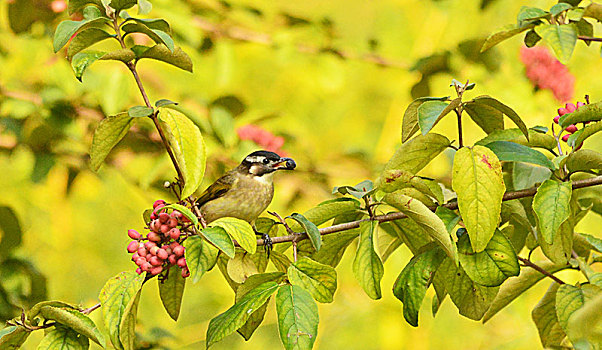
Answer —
(266, 161)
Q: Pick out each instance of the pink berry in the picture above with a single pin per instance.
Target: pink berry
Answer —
(565, 137)
(185, 272)
(172, 259)
(172, 245)
(154, 237)
(149, 245)
(148, 256)
(164, 229)
(158, 202)
(179, 250)
(132, 247)
(570, 107)
(133, 234)
(181, 262)
(142, 251)
(580, 104)
(155, 261)
(153, 216)
(146, 267)
(176, 214)
(156, 270)
(168, 249)
(135, 256)
(571, 128)
(154, 250)
(562, 111)
(556, 119)
(162, 254)
(163, 217)
(172, 222)
(155, 225)
(139, 271)
(174, 233)
(141, 261)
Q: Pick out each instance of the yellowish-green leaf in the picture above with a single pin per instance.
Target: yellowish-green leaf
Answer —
(239, 230)
(551, 205)
(310, 229)
(410, 117)
(544, 317)
(177, 57)
(241, 267)
(187, 144)
(478, 182)
(571, 298)
(506, 33)
(201, 256)
(171, 291)
(297, 317)
(12, 337)
(326, 211)
(584, 160)
(509, 112)
(367, 267)
(63, 338)
(108, 133)
(588, 113)
(75, 320)
(562, 38)
(415, 154)
(127, 327)
(319, 279)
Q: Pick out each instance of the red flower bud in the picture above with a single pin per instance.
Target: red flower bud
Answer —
(133, 234)
(562, 111)
(571, 128)
(556, 118)
(139, 271)
(158, 202)
(570, 107)
(132, 247)
(565, 137)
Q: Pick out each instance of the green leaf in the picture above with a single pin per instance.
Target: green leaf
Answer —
(584, 323)
(367, 267)
(82, 60)
(239, 230)
(66, 29)
(158, 36)
(119, 5)
(559, 251)
(431, 112)
(562, 38)
(220, 239)
(413, 281)
(76, 5)
(164, 102)
(529, 13)
(492, 266)
(577, 138)
(171, 291)
(584, 160)
(310, 229)
(410, 117)
(426, 219)
(588, 113)
(123, 55)
(531, 38)
(333, 247)
(326, 211)
(187, 144)
(319, 279)
(10, 231)
(516, 286)
(144, 7)
(472, 299)
(560, 7)
(359, 191)
(281, 261)
(75, 320)
(127, 327)
(536, 139)
(177, 57)
(297, 317)
(478, 182)
(236, 316)
(62, 338)
(140, 111)
(12, 337)
(571, 298)
(593, 10)
(185, 211)
(116, 297)
(551, 205)
(544, 317)
(506, 33)
(448, 216)
(509, 112)
(513, 152)
(108, 134)
(85, 39)
(487, 118)
(526, 175)
(200, 255)
(415, 154)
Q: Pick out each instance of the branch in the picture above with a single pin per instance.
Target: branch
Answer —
(588, 38)
(246, 35)
(536, 267)
(530, 192)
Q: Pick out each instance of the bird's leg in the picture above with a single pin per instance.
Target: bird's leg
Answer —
(267, 241)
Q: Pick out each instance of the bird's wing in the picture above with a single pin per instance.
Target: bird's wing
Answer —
(217, 189)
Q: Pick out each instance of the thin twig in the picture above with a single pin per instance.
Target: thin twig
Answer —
(90, 309)
(588, 38)
(529, 192)
(536, 267)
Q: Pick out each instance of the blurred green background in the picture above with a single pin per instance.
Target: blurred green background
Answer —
(304, 70)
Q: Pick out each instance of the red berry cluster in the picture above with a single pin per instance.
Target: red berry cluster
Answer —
(262, 137)
(568, 108)
(546, 72)
(163, 247)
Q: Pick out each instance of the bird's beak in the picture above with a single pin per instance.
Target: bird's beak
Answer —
(285, 163)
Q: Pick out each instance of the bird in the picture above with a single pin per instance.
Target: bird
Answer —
(245, 191)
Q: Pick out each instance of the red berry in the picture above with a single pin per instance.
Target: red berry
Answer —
(149, 245)
(148, 256)
(156, 270)
(154, 237)
(565, 137)
(133, 234)
(570, 107)
(172, 222)
(135, 256)
(146, 267)
(163, 217)
(562, 111)
(181, 262)
(164, 229)
(155, 261)
(172, 259)
(154, 250)
(139, 271)
(185, 272)
(179, 250)
(153, 216)
(140, 261)
(556, 118)
(142, 251)
(172, 245)
(571, 128)
(162, 254)
(174, 233)
(158, 202)
(132, 247)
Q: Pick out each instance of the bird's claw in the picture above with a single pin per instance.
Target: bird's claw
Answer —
(267, 242)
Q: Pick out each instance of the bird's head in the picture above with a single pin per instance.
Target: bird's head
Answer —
(260, 163)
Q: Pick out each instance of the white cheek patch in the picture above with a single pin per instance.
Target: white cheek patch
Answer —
(255, 169)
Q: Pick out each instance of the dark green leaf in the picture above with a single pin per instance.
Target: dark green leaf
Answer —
(220, 238)
(85, 39)
(415, 278)
(526, 175)
(119, 5)
(319, 279)
(359, 191)
(486, 117)
(531, 38)
(297, 317)
(579, 136)
(594, 10)
(544, 317)
(333, 247)
(164, 102)
(158, 36)
(75, 320)
(140, 111)
(428, 114)
(171, 291)
(410, 117)
(236, 316)
(310, 229)
(513, 152)
(66, 29)
(508, 32)
(62, 338)
(560, 7)
(367, 267)
(200, 255)
(108, 133)
(536, 139)
(587, 113)
(583, 160)
(529, 13)
(326, 211)
(123, 55)
(76, 5)
(562, 38)
(10, 231)
(176, 58)
(509, 112)
(82, 60)
(448, 216)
